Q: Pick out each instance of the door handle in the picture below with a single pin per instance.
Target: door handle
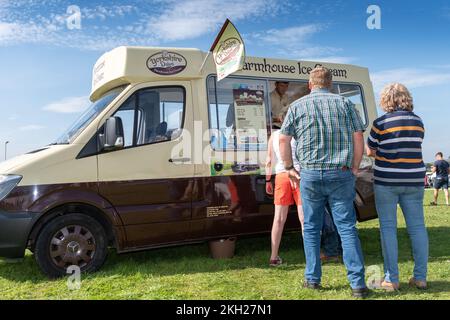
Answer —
(173, 160)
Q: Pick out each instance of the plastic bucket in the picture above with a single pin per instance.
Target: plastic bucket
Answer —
(223, 248)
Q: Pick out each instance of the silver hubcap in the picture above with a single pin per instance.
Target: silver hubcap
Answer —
(72, 245)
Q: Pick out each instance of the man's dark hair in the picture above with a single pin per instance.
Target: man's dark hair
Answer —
(284, 82)
(439, 154)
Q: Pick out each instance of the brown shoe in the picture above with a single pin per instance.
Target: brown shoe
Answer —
(390, 286)
(419, 284)
(276, 262)
(432, 203)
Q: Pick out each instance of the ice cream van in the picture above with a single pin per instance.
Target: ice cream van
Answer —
(165, 155)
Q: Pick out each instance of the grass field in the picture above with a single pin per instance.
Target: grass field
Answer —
(188, 272)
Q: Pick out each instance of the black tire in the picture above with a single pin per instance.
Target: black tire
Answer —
(75, 237)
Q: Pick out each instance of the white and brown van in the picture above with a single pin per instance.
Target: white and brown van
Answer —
(165, 155)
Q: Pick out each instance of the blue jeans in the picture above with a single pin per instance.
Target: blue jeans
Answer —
(411, 203)
(337, 187)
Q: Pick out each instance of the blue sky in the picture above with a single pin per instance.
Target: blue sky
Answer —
(46, 68)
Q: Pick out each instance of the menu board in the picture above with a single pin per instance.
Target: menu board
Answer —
(250, 119)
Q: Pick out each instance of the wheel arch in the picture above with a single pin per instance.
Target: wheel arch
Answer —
(112, 231)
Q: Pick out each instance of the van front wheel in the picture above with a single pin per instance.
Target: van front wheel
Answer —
(71, 240)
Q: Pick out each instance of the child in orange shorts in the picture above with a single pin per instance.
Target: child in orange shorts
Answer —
(285, 194)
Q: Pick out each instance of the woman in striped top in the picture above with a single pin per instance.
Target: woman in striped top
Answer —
(396, 143)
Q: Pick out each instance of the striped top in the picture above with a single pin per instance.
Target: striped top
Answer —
(397, 138)
(323, 124)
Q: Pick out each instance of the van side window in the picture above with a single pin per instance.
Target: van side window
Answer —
(152, 115)
(354, 94)
(238, 113)
(283, 93)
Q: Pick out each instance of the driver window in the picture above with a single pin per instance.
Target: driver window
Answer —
(152, 115)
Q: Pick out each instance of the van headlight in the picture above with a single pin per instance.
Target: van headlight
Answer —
(7, 183)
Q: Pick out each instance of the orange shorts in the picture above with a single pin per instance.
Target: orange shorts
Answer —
(284, 194)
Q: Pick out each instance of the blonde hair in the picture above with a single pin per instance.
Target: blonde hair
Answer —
(396, 96)
(321, 77)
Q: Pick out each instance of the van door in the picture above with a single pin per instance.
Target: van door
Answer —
(149, 186)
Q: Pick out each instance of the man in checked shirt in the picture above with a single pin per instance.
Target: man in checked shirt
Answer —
(330, 145)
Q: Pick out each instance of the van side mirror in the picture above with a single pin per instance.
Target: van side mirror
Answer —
(113, 136)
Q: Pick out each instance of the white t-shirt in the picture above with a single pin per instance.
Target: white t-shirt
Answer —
(280, 104)
(279, 167)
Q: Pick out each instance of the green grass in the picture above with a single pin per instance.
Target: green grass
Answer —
(188, 272)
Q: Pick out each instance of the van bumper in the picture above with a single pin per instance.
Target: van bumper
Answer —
(14, 230)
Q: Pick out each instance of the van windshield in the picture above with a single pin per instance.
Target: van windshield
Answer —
(88, 116)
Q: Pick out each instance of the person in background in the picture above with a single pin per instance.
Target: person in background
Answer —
(279, 101)
(395, 141)
(442, 170)
(330, 145)
(285, 194)
(331, 249)
(432, 176)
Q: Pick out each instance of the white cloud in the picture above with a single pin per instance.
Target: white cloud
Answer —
(16, 32)
(297, 43)
(13, 117)
(191, 19)
(436, 66)
(102, 26)
(103, 12)
(289, 36)
(152, 23)
(6, 30)
(3, 6)
(24, 22)
(31, 127)
(410, 77)
(69, 105)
